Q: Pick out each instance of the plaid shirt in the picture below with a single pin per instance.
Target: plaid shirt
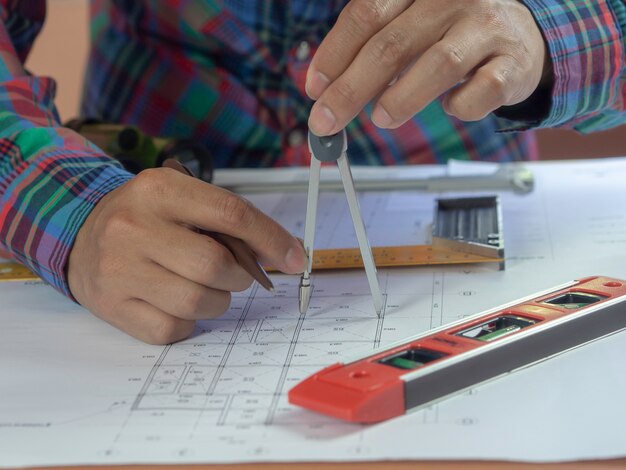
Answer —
(231, 74)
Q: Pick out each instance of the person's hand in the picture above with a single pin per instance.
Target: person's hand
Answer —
(139, 264)
(406, 53)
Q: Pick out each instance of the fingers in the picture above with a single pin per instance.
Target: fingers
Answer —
(378, 62)
(148, 323)
(450, 60)
(137, 263)
(357, 23)
(194, 202)
(495, 84)
(199, 258)
(375, 42)
(177, 296)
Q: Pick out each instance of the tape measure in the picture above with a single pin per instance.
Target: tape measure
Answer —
(15, 272)
(448, 360)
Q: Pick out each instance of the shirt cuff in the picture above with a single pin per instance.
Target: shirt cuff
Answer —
(46, 204)
(585, 43)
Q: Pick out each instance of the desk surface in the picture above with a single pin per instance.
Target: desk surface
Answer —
(604, 464)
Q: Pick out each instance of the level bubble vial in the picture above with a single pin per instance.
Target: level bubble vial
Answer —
(572, 300)
(412, 358)
(497, 328)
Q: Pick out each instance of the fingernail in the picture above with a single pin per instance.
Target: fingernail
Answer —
(322, 121)
(381, 118)
(316, 83)
(295, 259)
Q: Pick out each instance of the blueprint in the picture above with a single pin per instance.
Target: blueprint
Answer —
(74, 390)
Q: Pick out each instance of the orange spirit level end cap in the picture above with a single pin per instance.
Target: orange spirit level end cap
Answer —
(325, 392)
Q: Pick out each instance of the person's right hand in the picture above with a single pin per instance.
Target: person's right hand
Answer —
(138, 263)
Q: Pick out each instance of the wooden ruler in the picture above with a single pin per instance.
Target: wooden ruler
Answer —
(15, 272)
(391, 256)
(336, 258)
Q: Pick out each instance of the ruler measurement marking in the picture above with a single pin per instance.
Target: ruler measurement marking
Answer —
(391, 256)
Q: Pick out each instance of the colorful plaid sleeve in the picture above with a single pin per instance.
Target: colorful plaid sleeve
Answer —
(586, 42)
(50, 178)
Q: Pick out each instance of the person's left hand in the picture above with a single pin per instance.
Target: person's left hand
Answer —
(406, 53)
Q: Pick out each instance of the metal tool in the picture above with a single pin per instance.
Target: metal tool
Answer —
(329, 149)
(508, 177)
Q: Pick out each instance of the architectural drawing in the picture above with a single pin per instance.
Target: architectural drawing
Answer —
(220, 395)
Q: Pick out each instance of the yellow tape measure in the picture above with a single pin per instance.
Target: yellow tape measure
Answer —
(392, 256)
(15, 272)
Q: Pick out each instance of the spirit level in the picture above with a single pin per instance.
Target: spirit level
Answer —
(430, 366)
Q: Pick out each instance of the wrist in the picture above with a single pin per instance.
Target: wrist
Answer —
(536, 107)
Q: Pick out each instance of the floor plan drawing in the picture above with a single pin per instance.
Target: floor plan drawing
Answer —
(259, 353)
(221, 394)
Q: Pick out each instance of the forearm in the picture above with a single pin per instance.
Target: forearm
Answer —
(48, 186)
(50, 177)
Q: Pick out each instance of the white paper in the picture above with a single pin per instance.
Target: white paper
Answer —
(73, 390)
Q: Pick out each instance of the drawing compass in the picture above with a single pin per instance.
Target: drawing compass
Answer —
(329, 149)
